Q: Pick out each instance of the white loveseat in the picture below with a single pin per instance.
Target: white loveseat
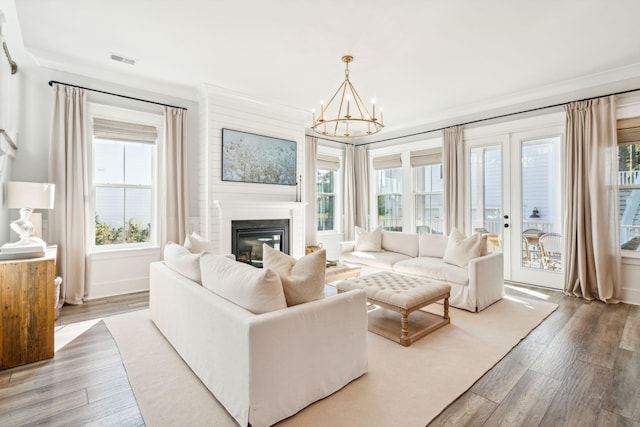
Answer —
(261, 367)
(473, 288)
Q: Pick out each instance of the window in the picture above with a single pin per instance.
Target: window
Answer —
(390, 199)
(325, 199)
(326, 191)
(429, 198)
(428, 186)
(629, 191)
(389, 195)
(123, 176)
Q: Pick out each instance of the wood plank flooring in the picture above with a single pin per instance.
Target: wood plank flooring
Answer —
(580, 367)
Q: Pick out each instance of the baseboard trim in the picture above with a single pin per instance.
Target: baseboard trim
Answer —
(118, 287)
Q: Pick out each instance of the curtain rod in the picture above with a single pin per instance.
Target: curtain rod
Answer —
(479, 120)
(51, 82)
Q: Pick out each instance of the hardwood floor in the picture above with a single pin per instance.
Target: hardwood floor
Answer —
(84, 384)
(580, 367)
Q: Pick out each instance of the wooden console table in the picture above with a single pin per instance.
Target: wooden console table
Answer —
(27, 304)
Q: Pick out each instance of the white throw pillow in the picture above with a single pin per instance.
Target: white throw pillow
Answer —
(197, 244)
(461, 249)
(368, 241)
(258, 290)
(303, 279)
(179, 259)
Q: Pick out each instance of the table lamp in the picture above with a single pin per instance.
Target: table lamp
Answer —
(27, 196)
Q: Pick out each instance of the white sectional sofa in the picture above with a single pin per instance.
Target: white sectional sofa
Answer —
(261, 367)
(473, 288)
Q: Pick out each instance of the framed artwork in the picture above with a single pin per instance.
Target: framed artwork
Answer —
(247, 157)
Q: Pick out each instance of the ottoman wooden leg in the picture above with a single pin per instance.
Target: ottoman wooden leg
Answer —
(404, 338)
(446, 307)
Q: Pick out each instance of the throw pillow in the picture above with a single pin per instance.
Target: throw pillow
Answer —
(258, 290)
(197, 244)
(368, 241)
(461, 249)
(179, 259)
(303, 279)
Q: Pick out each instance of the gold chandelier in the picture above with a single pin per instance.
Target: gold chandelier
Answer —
(345, 115)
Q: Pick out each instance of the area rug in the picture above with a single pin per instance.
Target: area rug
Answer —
(406, 386)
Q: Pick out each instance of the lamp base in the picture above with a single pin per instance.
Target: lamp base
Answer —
(35, 248)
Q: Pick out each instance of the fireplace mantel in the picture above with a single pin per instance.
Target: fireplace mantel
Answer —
(225, 211)
(259, 204)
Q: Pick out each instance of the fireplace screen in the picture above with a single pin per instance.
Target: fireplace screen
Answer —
(249, 236)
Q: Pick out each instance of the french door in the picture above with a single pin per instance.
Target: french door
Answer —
(514, 190)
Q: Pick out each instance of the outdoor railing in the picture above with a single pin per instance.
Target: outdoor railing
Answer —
(628, 177)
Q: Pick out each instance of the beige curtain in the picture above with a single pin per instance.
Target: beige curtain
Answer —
(175, 213)
(453, 169)
(311, 226)
(361, 183)
(592, 244)
(349, 179)
(69, 221)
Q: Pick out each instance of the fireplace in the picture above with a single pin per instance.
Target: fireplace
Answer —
(248, 236)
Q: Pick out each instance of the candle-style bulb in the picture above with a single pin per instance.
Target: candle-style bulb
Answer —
(348, 101)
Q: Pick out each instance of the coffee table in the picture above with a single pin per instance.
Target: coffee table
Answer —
(401, 295)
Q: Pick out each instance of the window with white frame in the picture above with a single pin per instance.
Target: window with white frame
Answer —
(123, 177)
(629, 183)
(428, 186)
(326, 200)
(389, 192)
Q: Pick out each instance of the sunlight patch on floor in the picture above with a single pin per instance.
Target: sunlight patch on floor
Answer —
(519, 301)
(67, 333)
(527, 291)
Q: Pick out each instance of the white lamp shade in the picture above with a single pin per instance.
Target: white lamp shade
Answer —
(34, 195)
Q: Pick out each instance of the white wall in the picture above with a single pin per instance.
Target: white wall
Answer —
(220, 109)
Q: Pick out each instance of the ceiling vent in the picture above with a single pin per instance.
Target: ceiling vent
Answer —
(123, 59)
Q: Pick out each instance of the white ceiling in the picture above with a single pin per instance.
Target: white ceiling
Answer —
(428, 62)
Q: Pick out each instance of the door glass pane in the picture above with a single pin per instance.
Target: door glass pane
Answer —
(541, 206)
(486, 194)
(629, 177)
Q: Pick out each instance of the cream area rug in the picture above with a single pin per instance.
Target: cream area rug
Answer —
(407, 386)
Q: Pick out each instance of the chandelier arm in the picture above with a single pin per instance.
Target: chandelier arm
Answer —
(359, 103)
(344, 90)
(326, 107)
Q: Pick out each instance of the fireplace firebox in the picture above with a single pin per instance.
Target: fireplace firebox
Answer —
(248, 236)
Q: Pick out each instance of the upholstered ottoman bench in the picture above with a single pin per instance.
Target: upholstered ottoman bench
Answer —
(403, 295)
